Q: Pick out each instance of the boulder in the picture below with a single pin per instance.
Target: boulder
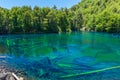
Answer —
(10, 77)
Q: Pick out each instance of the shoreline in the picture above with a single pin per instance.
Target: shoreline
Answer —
(8, 73)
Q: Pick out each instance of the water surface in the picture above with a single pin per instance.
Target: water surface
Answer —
(50, 56)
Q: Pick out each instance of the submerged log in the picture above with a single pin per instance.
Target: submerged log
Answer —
(89, 72)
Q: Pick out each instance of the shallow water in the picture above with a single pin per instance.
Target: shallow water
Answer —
(50, 56)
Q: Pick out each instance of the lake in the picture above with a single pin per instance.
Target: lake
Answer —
(58, 56)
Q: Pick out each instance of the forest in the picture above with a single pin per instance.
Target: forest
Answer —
(89, 15)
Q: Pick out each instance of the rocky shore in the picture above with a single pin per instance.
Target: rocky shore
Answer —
(7, 73)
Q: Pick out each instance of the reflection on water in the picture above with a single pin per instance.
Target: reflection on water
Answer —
(49, 56)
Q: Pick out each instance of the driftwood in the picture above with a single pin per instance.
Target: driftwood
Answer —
(17, 77)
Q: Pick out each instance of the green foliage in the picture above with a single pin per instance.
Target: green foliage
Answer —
(37, 20)
(95, 15)
(100, 15)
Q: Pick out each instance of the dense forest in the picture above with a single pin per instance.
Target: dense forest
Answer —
(100, 15)
(90, 15)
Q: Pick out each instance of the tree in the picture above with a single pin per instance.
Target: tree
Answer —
(27, 19)
(52, 22)
(95, 15)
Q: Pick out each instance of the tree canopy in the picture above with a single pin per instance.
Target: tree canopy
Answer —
(95, 15)
(99, 15)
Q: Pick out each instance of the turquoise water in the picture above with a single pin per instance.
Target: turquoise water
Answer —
(51, 56)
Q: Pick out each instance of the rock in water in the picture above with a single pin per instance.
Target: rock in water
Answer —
(9, 77)
(2, 76)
